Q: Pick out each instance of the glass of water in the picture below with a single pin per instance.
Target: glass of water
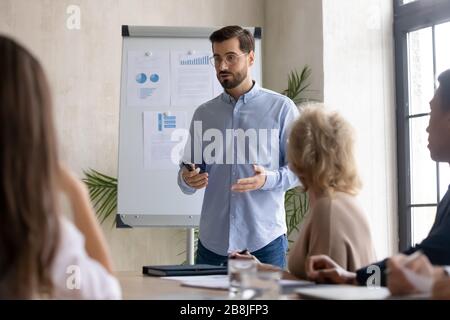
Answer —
(237, 271)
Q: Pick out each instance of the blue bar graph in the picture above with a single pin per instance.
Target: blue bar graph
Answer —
(166, 122)
(196, 61)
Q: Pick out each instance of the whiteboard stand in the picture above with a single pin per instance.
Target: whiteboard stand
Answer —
(150, 197)
(190, 246)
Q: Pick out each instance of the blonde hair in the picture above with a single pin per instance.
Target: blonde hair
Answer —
(320, 152)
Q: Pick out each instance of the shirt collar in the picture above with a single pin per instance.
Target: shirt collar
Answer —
(246, 97)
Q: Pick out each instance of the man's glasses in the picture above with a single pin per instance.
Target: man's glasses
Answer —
(230, 59)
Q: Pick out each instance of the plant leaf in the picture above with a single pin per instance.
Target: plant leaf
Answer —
(297, 84)
(103, 193)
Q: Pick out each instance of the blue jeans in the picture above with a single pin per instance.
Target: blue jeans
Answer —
(274, 253)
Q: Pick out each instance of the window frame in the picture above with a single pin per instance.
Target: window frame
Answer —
(407, 18)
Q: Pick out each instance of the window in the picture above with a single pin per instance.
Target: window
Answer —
(422, 33)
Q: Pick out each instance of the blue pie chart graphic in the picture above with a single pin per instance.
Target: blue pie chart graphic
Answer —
(141, 78)
(154, 77)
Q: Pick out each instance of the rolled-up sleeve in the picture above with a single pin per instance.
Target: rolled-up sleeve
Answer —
(185, 188)
(283, 178)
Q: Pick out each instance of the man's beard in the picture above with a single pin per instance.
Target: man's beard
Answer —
(233, 81)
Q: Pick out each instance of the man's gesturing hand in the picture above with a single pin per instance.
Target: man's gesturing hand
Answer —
(251, 183)
(194, 178)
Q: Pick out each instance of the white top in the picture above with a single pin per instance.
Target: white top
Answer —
(75, 274)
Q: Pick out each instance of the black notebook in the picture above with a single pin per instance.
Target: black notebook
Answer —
(184, 270)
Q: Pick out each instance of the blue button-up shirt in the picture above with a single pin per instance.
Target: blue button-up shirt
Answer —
(230, 220)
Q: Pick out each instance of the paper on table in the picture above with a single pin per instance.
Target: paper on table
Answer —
(197, 278)
(343, 292)
(222, 282)
(211, 282)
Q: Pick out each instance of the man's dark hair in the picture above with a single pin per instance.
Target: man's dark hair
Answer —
(444, 84)
(246, 40)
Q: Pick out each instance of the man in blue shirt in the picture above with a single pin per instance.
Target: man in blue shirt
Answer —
(244, 167)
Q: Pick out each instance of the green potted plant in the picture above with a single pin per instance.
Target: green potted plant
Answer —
(296, 201)
(297, 84)
(103, 193)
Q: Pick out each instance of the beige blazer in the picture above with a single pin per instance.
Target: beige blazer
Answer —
(336, 226)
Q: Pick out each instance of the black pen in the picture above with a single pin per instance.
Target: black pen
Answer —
(189, 166)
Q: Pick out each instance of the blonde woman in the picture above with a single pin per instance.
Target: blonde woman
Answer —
(320, 153)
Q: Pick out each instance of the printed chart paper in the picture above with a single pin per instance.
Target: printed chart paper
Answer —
(162, 150)
(192, 78)
(148, 78)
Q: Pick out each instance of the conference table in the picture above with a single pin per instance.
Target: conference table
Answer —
(136, 286)
(176, 301)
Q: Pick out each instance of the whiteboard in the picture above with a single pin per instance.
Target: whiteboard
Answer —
(148, 193)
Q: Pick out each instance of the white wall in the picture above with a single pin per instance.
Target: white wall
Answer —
(293, 38)
(359, 82)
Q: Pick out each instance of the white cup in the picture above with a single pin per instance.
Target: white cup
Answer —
(237, 271)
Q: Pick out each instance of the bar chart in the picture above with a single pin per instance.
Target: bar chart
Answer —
(195, 61)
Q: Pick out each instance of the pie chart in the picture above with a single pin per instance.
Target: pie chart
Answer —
(141, 78)
(154, 77)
